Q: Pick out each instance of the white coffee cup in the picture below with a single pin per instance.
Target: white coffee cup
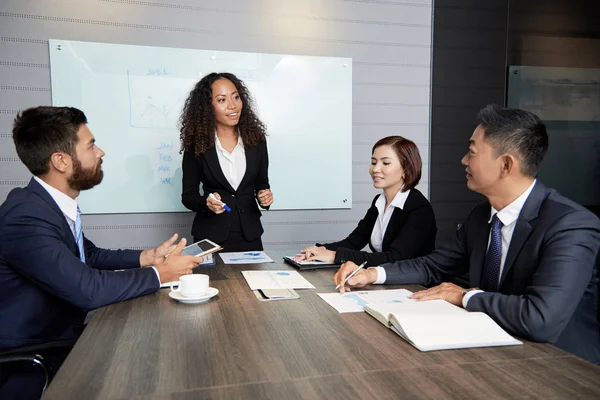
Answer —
(193, 285)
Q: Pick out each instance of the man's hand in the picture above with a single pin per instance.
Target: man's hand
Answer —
(176, 265)
(265, 198)
(446, 291)
(362, 277)
(156, 256)
(320, 253)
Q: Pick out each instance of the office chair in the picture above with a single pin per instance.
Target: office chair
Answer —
(34, 354)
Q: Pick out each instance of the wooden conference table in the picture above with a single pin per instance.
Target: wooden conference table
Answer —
(237, 347)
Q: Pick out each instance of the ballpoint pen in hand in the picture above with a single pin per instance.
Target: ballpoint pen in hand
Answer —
(352, 274)
(225, 206)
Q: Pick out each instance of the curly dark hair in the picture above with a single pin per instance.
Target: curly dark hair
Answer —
(198, 122)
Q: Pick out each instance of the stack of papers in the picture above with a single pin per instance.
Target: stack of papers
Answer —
(276, 280)
(246, 257)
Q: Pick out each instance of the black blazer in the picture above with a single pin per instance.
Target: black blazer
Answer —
(548, 290)
(206, 170)
(410, 233)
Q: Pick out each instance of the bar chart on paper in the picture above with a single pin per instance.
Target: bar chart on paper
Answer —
(245, 257)
(356, 301)
(276, 280)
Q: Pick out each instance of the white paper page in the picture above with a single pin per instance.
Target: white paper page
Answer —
(246, 257)
(453, 331)
(418, 307)
(276, 280)
(356, 301)
(382, 311)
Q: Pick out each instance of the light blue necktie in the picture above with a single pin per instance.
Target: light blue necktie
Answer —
(79, 239)
(79, 235)
(493, 258)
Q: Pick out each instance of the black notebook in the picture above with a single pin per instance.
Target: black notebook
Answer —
(304, 265)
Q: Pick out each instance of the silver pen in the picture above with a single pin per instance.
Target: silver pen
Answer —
(352, 274)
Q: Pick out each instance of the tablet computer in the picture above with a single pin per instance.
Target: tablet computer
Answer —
(201, 248)
(304, 265)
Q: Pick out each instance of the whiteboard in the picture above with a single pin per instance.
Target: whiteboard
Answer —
(133, 97)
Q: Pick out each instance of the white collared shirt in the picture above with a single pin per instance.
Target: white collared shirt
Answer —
(384, 216)
(232, 164)
(508, 216)
(68, 206)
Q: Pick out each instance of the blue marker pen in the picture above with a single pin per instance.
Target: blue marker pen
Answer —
(225, 206)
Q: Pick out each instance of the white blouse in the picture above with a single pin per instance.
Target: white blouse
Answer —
(383, 219)
(233, 164)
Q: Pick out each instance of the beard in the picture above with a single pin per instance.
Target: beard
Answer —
(85, 179)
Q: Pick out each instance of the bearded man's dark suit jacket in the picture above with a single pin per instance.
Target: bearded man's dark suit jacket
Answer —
(548, 290)
(46, 289)
(206, 169)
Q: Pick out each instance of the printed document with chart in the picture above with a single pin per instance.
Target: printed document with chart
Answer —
(245, 257)
(356, 301)
(276, 280)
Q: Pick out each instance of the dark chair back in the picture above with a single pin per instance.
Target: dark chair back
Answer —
(25, 372)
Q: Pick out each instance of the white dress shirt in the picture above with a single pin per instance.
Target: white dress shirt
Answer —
(508, 216)
(232, 164)
(68, 206)
(383, 219)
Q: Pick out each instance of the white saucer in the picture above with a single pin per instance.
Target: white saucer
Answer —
(212, 292)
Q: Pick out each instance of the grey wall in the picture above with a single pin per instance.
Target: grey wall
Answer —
(389, 41)
(469, 39)
(473, 42)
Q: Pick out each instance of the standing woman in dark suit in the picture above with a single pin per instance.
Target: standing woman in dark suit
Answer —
(400, 223)
(224, 149)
